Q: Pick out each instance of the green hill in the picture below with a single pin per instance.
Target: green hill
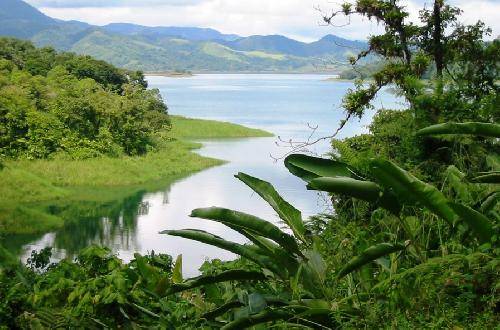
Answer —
(175, 48)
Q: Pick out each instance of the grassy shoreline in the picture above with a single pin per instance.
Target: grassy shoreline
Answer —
(189, 128)
(26, 184)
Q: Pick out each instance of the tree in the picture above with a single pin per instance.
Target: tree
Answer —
(465, 66)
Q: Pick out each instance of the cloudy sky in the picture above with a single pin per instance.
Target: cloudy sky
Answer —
(299, 19)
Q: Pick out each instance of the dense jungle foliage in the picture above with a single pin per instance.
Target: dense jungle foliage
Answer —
(412, 241)
(62, 104)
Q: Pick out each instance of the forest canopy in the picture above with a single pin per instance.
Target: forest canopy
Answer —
(64, 104)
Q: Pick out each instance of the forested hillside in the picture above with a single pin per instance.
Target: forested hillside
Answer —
(175, 48)
(63, 104)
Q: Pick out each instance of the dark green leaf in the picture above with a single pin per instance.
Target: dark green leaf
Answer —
(488, 177)
(364, 190)
(289, 214)
(411, 190)
(308, 168)
(481, 129)
(490, 202)
(369, 255)
(230, 275)
(477, 222)
(242, 250)
(221, 310)
(251, 223)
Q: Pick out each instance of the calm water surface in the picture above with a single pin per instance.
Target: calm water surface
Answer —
(286, 105)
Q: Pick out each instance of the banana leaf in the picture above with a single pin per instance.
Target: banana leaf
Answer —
(248, 252)
(289, 214)
(269, 248)
(490, 202)
(369, 255)
(477, 222)
(364, 190)
(294, 314)
(230, 275)
(410, 190)
(251, 223)
(308, 168)
(487, 177)
(221, 310)
(472, 128)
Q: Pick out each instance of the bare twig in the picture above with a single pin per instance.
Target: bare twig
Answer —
(303, 146)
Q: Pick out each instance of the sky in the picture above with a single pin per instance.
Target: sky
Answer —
(298, 19)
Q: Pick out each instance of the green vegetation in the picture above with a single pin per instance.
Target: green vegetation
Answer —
(62, 105)
(188, 128)
(71, 124)
(413, 241)
(27, 183)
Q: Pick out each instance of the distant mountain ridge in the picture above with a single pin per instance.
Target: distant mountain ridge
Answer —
(189, 33)
(19, 19)
(175, 48)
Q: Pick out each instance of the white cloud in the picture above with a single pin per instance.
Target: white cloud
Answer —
(295, 18)
(108, 3)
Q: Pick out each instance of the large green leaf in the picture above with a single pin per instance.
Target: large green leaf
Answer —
(477, 222)
(268, 247)
(487, 177)
(319, 318)
(251, 223)
(280, 256)
(365, 190)
(472, 128)
(308, 168)
(242, 250)
(230, 275)
(372, 253)
(481, 129)
(211, 315)
(410, 190)
(490, 202)
(289, 214)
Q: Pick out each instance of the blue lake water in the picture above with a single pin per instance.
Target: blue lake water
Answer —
(287, 105)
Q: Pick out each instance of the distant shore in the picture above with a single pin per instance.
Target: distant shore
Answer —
(170, 74)
(194, 73)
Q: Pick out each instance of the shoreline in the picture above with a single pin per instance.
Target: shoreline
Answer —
(195, 73)
(169, 74)
(32, 187)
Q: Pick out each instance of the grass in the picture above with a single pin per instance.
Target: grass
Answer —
(216, 50)
(187, 128)
(28, 183)
(260, 54)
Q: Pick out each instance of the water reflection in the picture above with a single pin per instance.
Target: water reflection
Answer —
(132, 222)
(112, 223)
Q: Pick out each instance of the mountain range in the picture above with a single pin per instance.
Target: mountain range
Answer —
(175, 48)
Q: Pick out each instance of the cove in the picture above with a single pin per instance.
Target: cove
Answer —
(289, 106)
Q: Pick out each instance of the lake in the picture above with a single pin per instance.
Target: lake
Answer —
(289, 106)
